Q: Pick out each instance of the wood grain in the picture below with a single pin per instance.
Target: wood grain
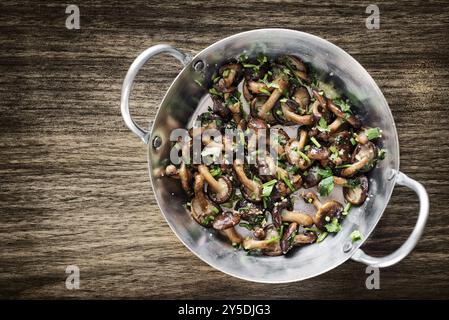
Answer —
(74, 188)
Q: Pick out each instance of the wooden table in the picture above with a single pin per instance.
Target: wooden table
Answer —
(74, 188)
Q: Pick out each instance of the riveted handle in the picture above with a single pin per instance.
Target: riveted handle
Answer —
(143, 134)
(412, 240)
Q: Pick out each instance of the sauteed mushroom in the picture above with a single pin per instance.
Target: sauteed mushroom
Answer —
(325, 212)
(225, 223)
(259, 186)
(219, 190)
(203, 210)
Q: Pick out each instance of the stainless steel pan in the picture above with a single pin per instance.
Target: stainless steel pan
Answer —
(183, 100)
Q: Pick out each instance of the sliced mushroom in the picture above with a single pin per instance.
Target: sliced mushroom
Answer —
(203, 210)
(288, 237)
(251, 189)
(325, 212)
(255, 107)
(297, 66)
(249, 211)
(302, 98)
(270, 245)
(276, 212)
(225, 223)
(304, 238)
(357, 192)
(353, 120)
(294, 156)
(281, 84)
(219, 190)
(290, 108)
(364, 158)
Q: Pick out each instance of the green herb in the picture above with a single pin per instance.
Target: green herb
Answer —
(272, 240)
(304, 156)
(228, 205)
(208, 219)
(353, 142)
(344, 106)
(226, 73)
(262, 59)
(288, 183)
(321, 237)
(334, 226)
(215, 210)
(198, 83)
(265, 91)
(325, 173)
(312, 229)
(268, 187)
(215, 92)
(326, 186)
(347, 208)
(334, 156)
(356, 235)
(245, 225)
(307, 147)
(216, 171)
(373, 133)
(265, 202)
(352, 183)
(243, 57)
(381, 154)
(322, 125)
(252, 66)
(315, 142)
(342, 166)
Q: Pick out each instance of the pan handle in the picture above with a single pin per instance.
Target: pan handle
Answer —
(143, 134)
(412, 240)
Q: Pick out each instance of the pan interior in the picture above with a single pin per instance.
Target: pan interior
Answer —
(185, 99)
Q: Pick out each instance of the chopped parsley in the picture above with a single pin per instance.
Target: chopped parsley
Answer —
(333, 226)
(381, 154)
(356, 235)
(347, 208)
(216, 171)
(288, 183)
(273, 240)
(215, 210)
(315, 142)
(326, 186)
(265, 91)
(321, 237)
(267, 188)
(325, 173)
(373, 133)
(344, 106)
(322, 125)
(304, 156)
(226, 73)
(215, 92)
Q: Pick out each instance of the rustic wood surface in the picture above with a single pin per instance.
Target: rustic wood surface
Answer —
(74, 188)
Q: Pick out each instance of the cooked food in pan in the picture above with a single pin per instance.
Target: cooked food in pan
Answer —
(274, 136)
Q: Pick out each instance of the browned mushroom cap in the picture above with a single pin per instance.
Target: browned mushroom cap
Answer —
(219, 190)
(225, 223)
(364, 158)
(316, 153)
(353, 120)
(290, 108)
(325, 212)
(251, 189)
(269, 246)
(171, 171)
(343, 148)
(203, 210)
(304, 238)
(297, 66)
(312, 177)
(356, 191)
(248, 210)
(294, 156)
(276, 212)
(302, 98)
(259, 233)
(220, 108)
(257, 124)
(255, 107)
(266, 167)
(288, 237)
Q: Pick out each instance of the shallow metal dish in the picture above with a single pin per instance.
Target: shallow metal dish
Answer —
(179, 106)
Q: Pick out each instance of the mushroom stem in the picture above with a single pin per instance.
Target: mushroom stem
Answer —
(256, 87)
(214, 184)
(311, 197)
(302, 139)
(347, 172)
(233, 236)
(199, 191)
(275, 95)
(335, 124)
(296, 118)
(353, 121)
(252, 244)
(250, 184)
(236, 112)
(300, 218)
(362, 138)
(304, 238)
(340, 181)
